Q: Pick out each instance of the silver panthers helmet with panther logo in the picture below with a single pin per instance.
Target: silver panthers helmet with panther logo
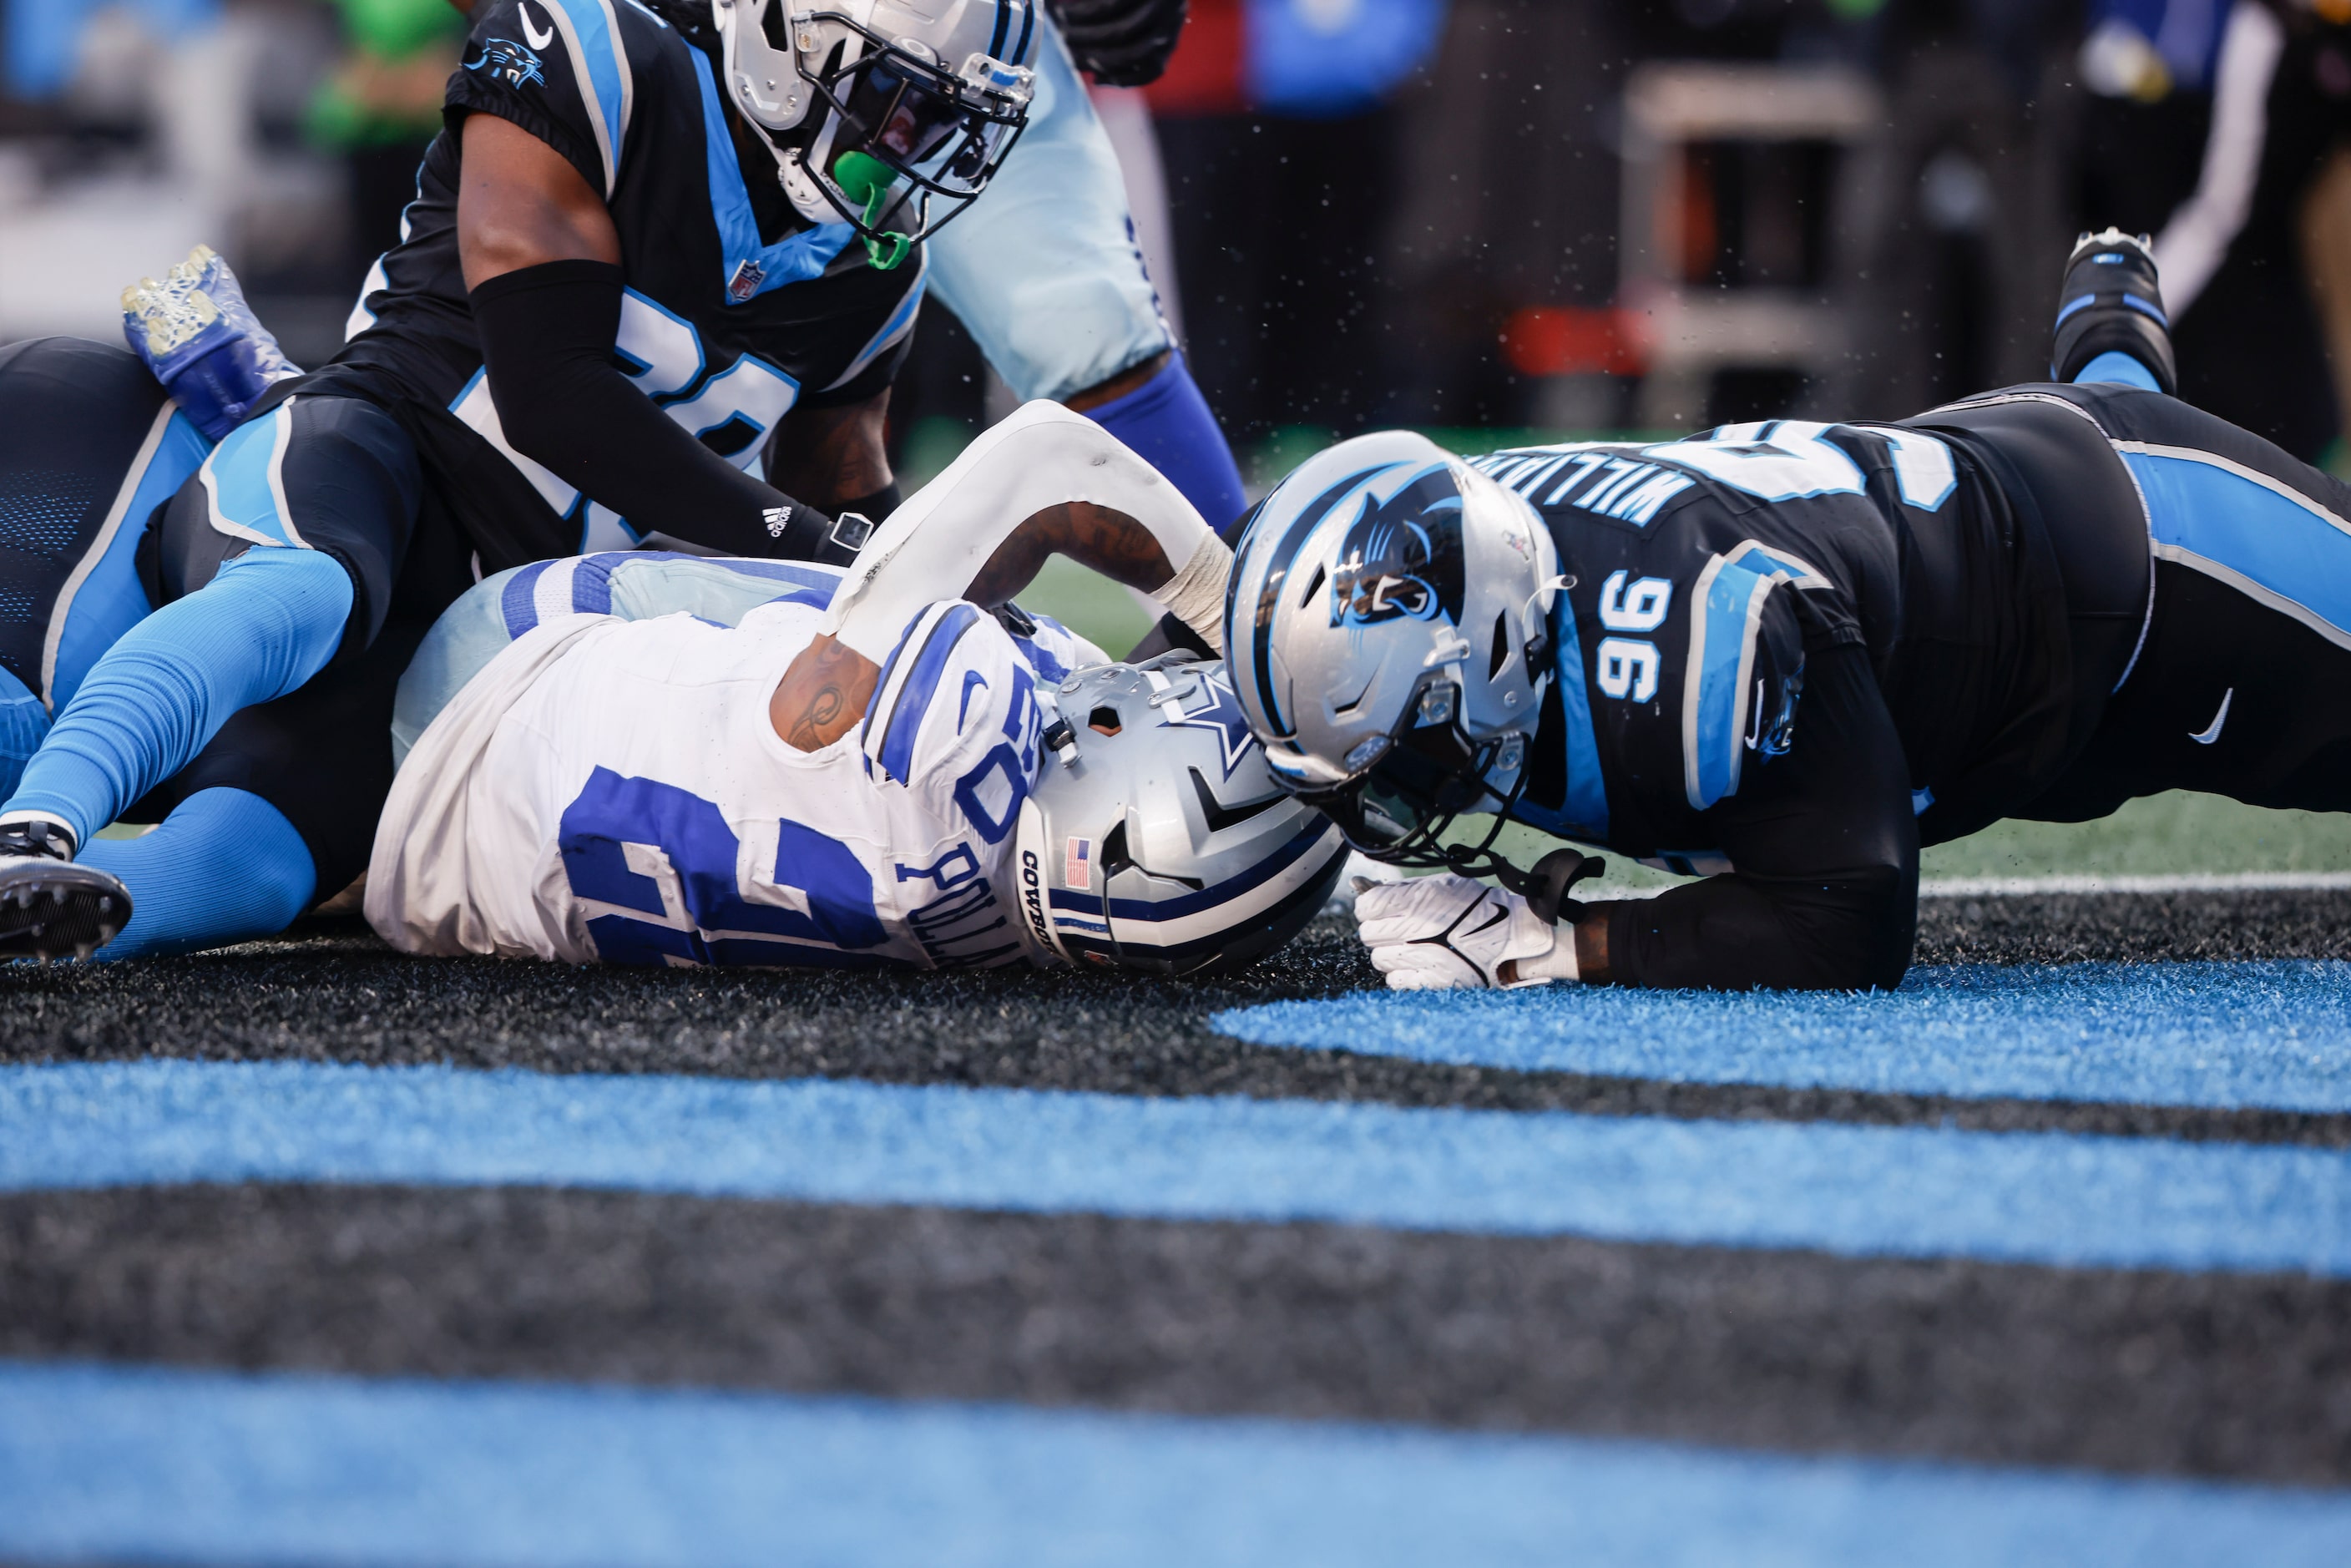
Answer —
(1388, 619)
(906, 107)
(1157, 838)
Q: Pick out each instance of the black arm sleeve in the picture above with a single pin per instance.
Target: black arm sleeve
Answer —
(547, 335)
(1825, 895)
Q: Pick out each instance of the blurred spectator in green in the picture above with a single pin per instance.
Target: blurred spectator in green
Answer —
(383, 108)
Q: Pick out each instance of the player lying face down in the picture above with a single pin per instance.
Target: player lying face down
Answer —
(850, 771)
(1786, 654)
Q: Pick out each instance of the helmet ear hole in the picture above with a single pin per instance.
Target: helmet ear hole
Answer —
(776, 27)
(1115, 856)
(1104, 721)
(1501, 654)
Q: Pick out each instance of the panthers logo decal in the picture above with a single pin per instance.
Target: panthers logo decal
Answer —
(1401, 558)
(510, 61)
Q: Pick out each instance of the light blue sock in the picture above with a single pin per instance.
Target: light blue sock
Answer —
(226, 866)
(268, 621)
(1167, 423)
(2113, 365)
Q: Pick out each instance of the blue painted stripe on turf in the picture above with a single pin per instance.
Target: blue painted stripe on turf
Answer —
(2231, 1036)
(2283, 547)
(1857, 1190)
(100, 1462)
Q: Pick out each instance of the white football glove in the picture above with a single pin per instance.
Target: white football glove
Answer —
(1448, 933)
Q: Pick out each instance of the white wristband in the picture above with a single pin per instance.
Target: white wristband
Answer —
(1559, 963)
(1196, 595)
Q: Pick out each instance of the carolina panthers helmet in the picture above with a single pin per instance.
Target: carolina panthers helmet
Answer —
(1388, 617)
(897, 103)
(1157, 838)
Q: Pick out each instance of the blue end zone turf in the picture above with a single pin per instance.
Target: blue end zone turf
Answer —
(118, 1464)
(2045, 1198)
(2269, 1035)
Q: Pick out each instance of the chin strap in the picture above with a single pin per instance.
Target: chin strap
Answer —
(1544, 888)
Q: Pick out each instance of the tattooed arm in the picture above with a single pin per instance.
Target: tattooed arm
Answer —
(822, 695)
(825, 691)
(1045, 481)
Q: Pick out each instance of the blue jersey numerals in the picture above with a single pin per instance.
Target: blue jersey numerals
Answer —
(665, 863)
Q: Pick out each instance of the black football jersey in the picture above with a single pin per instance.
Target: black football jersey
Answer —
(1707, 573)
(737, 308)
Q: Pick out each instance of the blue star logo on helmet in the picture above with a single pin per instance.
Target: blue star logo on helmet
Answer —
(1401, 558)
(1220, 713)
(517, 65)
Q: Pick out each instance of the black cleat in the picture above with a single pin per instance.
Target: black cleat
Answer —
(50, 908)
(2112, 303)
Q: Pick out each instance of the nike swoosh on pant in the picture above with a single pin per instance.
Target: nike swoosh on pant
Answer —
(537, 40)
(2212, 731)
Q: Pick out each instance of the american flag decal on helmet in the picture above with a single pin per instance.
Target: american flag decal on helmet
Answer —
(1078, 863)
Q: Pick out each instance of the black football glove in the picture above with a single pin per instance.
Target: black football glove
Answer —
(1121, 43)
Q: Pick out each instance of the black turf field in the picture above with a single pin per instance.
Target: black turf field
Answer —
(2215, 1375)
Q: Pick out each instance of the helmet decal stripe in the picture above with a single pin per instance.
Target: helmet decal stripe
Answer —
(1314, 832)
(1276, 571)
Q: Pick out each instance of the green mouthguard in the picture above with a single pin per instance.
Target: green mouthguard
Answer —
(865, 178)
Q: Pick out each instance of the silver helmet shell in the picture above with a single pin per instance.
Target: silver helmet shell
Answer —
(1375, 574)
(943, 82)
(1157, 838)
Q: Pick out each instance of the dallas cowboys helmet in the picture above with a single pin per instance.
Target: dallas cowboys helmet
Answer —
(896, 103)
(1157, 838)
(1389, 618)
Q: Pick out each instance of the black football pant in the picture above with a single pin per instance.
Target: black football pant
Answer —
(2241, 682)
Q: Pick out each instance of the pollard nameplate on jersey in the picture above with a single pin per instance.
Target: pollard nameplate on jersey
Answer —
(1702, 568)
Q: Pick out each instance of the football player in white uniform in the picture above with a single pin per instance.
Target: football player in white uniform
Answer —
(861, 770)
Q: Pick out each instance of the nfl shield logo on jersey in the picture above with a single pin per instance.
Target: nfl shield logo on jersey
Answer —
(744, 283)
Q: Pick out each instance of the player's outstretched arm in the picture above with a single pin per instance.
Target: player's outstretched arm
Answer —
(1825, 895)
(541, 261)
(1046, 481)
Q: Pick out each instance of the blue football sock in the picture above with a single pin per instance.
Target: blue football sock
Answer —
(1167, 423)
(2113, 365)
(226, 866)
(269, 620)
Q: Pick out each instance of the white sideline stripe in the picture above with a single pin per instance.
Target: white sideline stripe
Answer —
(2184, 881)
(1342, 898)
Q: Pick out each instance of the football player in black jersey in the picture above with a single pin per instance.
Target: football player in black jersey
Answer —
(655, 280)
(1788, 653)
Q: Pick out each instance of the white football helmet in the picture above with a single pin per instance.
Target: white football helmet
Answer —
(1157, 838)
(894, 103)
(1388, 619)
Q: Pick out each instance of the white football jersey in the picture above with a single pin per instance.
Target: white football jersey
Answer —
(614, 789)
